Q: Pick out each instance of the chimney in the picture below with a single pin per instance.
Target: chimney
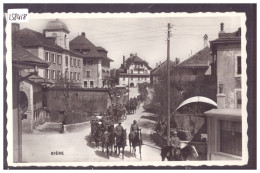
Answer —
(160, 63)
(222, 27)
(83, 34)
(124, 61)
(131, 55)
(205, 40)
(177, 61)
(15, 27)
(156, 65)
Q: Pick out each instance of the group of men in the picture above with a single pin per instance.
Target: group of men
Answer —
(106, 123)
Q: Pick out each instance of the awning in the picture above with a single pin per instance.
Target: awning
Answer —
(197, 99)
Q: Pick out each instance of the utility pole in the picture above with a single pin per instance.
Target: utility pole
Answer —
(168, 86)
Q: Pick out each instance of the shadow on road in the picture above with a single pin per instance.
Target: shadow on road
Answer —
(104, 154)
(91, 144)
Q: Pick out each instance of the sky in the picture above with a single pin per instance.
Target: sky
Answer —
(147, 37)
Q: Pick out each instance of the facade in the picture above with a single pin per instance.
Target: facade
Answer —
(133, 71)
(22, 60)
(96, 64)
(224, 123)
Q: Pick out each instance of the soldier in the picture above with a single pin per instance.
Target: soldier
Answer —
(174, 142)
(94, 122)
(134, 128)
(119, 129)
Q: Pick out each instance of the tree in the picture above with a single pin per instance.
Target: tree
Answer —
(66, 85)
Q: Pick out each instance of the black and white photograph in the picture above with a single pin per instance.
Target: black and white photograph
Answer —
(106, 89)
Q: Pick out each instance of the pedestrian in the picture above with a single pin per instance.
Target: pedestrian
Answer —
(119, 129)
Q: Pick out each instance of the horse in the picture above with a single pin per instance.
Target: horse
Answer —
(121, 143)
(135, 140)
(108, 141)
(188, 152)
(96, 134)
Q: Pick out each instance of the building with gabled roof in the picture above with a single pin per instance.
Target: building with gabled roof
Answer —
(225, 122)
(134, 70)
(22, 60)
(96, 64)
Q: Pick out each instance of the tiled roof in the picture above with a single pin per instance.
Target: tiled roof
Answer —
(136, 59)
(22, 56)
(199, 59)
(30, 38)
(224, 37)
(162, 68)
(81, 42)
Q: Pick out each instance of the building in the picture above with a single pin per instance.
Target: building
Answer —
(22, 60)
(133, 71)
(224, 123)
(96, 64)
(78, 60)
(161, 70)
(194, 74)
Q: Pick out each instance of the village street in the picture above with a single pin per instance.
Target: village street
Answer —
(37, 147)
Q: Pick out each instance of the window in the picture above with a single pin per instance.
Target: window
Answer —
(145, 78)
(238, 66)
(55, 37)
(75, 62)
(47, 57)
(89, 62)
(231, 137)
(75, 75)
(71, 62)
(78, 76)
(132, 78)
(123, 78)
(132, 71)
(59, 59)
(58, 74)
(53, 74)
(85, 84)
(47, 74)
(91, 84)
(66, 74)
(238, 100)
(54, 58)
(66, 60)
(71, 77)
(79, 63)
(138, 78)
(88, 73)
(65, 40)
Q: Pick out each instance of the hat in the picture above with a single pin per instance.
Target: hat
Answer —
(134, 121)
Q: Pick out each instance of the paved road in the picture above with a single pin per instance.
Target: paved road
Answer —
(73, 146)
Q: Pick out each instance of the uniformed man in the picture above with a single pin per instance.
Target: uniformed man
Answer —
(119, 129)
(175, 142)
(134, 128)
(94, 122)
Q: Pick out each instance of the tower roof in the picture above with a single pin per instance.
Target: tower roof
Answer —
(56, 25)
